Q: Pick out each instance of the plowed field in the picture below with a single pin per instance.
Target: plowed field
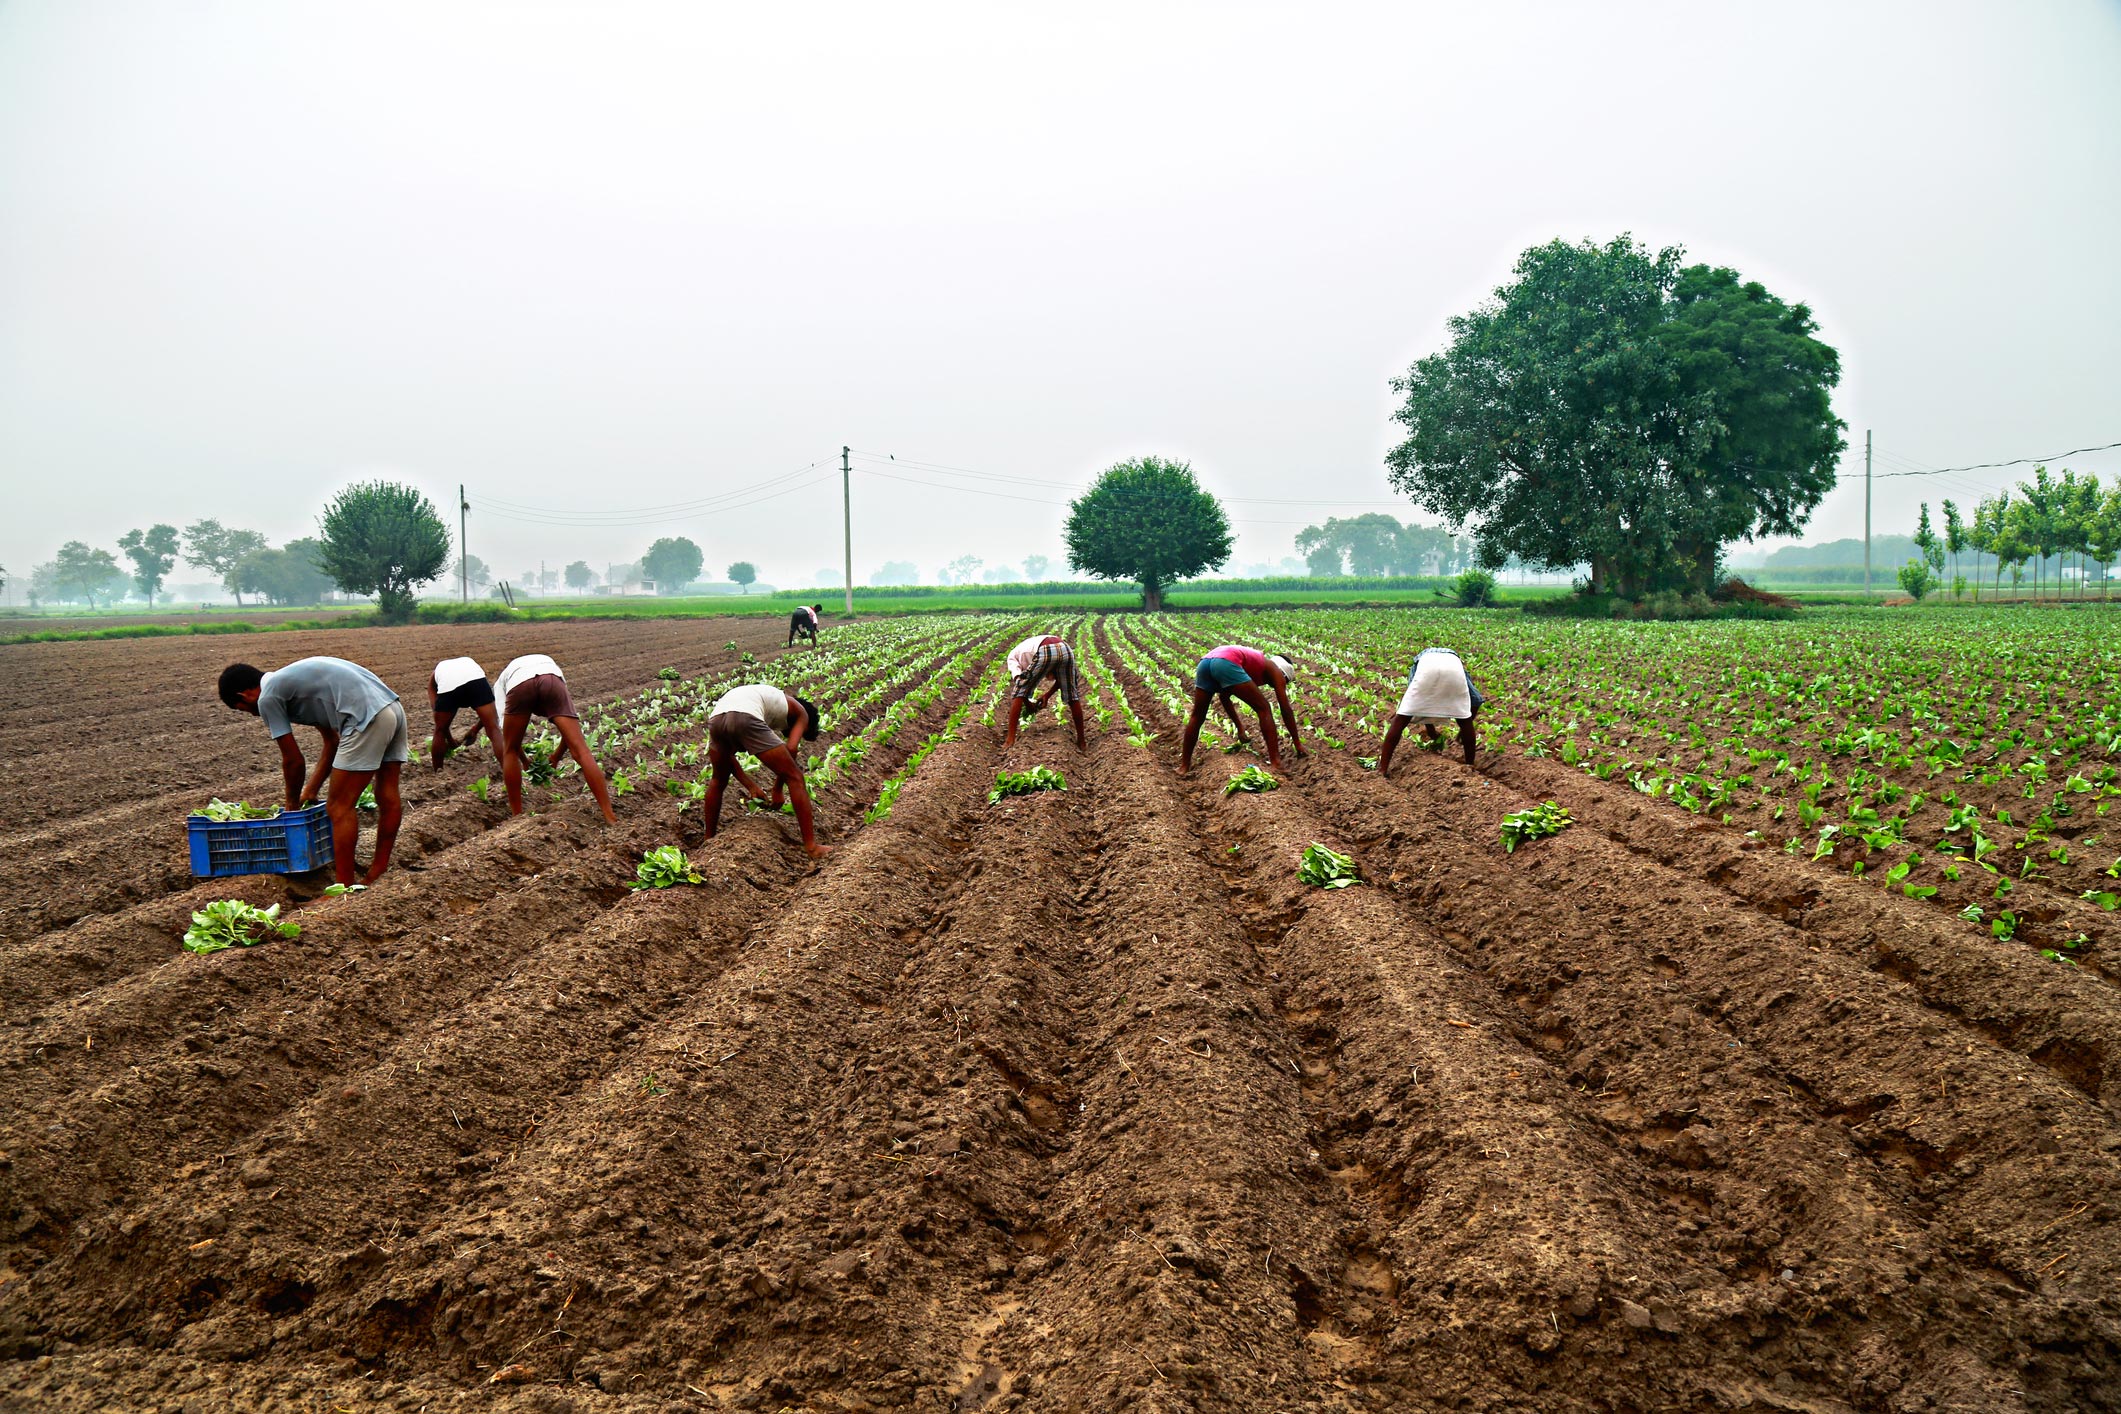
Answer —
(1078, 1101)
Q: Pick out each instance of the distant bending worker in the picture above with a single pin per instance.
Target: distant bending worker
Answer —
(365, 738)
(770, 724)
(459, 685)
(533, 686)
(1033, 661)
(1232, 670)
(1440, 693)
(803, 623)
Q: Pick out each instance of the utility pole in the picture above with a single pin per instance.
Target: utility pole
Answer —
(463, 550)
(1866, 512)
(847, 529)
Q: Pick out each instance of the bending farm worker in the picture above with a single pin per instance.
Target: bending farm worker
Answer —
(770, 724)
(1235, 671)
(1031, 662)
(1440, 693)
(459, 685)
(533, 686)
(804, 623)
(365, 738)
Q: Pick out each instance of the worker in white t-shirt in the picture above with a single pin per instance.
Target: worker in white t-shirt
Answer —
(459, 685)
(770, 724)
(534, 686)
(1440, 693)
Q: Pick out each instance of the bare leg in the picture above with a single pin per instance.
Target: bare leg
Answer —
(570, 731)
(1192, 738)
(722, 759)
(339, 798)
(781, 761)
(512, 760)
(390, 810)
(1082, 739)
(1016, 712)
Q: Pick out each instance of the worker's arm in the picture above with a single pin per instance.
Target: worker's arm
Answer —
(326, 752)
(1288, 713)
(291, 769)
(1392, 735)
(798, 727)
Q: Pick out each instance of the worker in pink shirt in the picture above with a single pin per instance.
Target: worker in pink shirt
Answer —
(1236, 671)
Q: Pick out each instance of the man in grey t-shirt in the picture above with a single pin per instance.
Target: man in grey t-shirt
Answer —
(366, 738)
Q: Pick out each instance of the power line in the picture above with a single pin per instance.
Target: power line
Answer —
(1997, 466)
(669, 508)
(658, 519)
(915, 464)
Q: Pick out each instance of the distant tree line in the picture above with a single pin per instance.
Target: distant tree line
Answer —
(2047, 522)
(242, 561)
(1376, 544)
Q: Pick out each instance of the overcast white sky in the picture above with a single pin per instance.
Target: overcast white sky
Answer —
(596, 258)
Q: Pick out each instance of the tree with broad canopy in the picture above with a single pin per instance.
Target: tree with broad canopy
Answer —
(152, 552)
(385, 539)
(672, 562)
(1147, 520)
(1610, 407)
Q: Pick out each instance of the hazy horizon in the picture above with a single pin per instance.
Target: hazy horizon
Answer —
(593, 262)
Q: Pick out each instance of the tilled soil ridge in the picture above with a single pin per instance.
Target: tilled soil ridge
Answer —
(1079, 1100)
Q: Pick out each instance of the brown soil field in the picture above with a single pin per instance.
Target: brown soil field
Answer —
(1078, 1101)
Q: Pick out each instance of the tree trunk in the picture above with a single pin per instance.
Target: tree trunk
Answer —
(1152, 596)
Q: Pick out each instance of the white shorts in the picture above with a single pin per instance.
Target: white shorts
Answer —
(386, 738)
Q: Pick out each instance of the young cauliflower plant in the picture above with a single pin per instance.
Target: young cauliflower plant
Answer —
(233, 923)
(1322, 868)
(1543, 819)
(1008, 783)
(665, 867)
(1252, 778)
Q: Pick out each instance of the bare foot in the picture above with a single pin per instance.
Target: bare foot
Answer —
(817, 851)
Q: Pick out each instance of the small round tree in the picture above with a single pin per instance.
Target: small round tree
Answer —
(672, 562)
(742, 574)
(579, 575)
(1147, 520)
(385, 539)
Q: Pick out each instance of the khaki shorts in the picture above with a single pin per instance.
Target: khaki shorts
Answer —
(740, 731)
(385, 739)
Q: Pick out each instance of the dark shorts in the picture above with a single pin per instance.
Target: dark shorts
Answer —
(1054, 660)
(542, 696)
(740, 731)
(1218, 675)
(476, 693)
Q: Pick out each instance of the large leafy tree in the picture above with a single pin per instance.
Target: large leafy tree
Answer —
(152, 552)
(1614, 408)
(288, 575)
(580, 575)
(385, 539)
(672, 562)
(743, 574)
(1147, 520)
(82, 572)
(211, 545)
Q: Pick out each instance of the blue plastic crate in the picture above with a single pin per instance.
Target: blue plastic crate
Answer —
(292, 842)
